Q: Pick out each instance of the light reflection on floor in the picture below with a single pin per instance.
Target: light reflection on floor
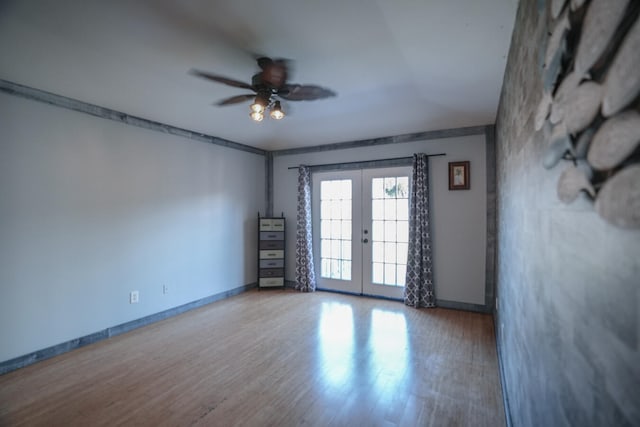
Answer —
(389, 349)
(377, 355)
(336, 337)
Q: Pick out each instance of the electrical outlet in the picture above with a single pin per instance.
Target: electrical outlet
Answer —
(165, 289)
(134, 297)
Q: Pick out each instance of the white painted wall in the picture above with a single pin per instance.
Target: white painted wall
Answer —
(458, 217)
(92, 209)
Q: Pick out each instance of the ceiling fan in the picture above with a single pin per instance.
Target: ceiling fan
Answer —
(269, 86)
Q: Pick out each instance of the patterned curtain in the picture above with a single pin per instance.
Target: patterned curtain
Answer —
(305, 274)
(418, 291)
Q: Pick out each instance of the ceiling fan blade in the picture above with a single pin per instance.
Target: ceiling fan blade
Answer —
(236, 99)
(294, 92)
(221, 79)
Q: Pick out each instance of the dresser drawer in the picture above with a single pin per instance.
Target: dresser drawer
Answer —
(271, 272)
(271, 263)
(272, 235)
(277, 224)
(271, 224)
(271, 244)
(271, 281)
(271, 254)
(265, 224)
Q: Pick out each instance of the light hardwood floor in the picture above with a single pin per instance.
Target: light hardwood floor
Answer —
(273, 358)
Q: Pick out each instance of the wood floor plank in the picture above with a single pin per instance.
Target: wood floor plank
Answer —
(273, 358)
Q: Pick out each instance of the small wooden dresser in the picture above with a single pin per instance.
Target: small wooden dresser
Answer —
(271, 232)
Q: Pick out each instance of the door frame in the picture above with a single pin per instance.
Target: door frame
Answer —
(360, 272)
(368, 287)
(354, 286)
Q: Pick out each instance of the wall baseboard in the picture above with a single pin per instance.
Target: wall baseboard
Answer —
(334, 291)
(478, 308)
(503, 384)
(49, 352)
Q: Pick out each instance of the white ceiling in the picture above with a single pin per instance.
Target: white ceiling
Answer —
(398, 67)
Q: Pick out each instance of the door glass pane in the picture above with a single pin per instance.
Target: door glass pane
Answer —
(335, 248)
(402, 210)
(325, 248)
(325, 229)
(390, 188)
(378, 272)
(325, 209)
(326, 267)
(377, 254)
(389, 252)
(403, 187)
(377, 209)
(335, 269)
(403, 231)
(389, 209)
(390, 229)
(378, 231)
(346, 230)
(389, 274)
(345, 209)
(377, 188)
(336, 211)
(345, 268)
(335, 229)
(346, 249)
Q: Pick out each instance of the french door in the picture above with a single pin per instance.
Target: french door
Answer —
(361, 230)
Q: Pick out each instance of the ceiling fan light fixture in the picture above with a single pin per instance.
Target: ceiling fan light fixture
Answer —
(257, 107)
(257, 116)
(276, 111)
(260, 104)
(267, 86)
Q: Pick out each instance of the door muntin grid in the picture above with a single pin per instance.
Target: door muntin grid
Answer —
(389, 230)
(335, 228)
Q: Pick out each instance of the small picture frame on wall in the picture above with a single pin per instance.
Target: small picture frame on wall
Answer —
(459, 175)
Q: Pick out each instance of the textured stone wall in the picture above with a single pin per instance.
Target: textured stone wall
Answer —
(568, 284)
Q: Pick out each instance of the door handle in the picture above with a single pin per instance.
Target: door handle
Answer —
(365, 241)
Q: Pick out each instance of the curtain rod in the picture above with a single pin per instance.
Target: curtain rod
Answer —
(366, 161)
